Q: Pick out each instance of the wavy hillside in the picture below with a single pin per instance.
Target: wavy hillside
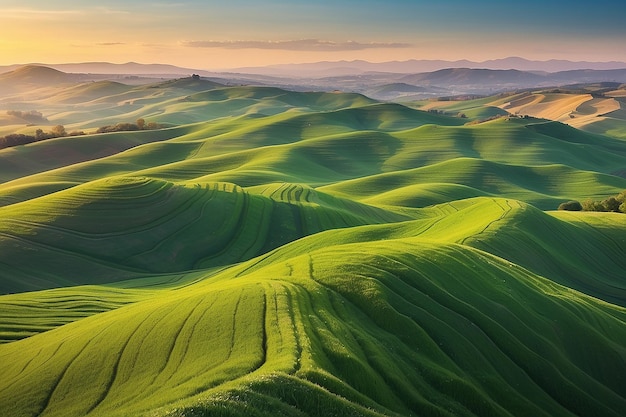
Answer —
(405, 321)
(293, 254)
(122, 227)
(594, 107)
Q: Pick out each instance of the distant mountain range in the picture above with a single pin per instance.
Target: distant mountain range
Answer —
(469, 76)
(328, 68)
(378, 85)
(129, 68)
(331, 68)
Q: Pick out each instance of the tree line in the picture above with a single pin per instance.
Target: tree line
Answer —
(129, 127)
(16, 139)
(615, 204)
(58, 131)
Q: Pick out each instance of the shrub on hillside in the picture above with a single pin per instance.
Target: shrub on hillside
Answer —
(611, 204)
(120, 127)
(129, 127)
(58, 131)
(16, 139)
(571, 206)
(590, 205)
(615, 204)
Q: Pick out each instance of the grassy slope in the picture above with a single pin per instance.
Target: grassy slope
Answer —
(124, 227)
(407, 320)
(583, 108)
(475, 305)
(327, 148)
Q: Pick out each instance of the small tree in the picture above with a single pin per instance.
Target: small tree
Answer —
(611, 204)
(59, 131)
(571, 206)
(590, 205)
(141, 124)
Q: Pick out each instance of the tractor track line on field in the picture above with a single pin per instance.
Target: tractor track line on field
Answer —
(138, 229)
(85, 256)
(234, 326)
(294, 329)
(264, 330)
(254, 264)
(505, 211)
(247, 252)
(191, 333)
(606, 238)
(147, 336)
(311, 270)
(205, 370)
(238, 225)
(183, 208)
(58, 380)
(29, 362)
(107, 389)
(139, 349)
(490, 328)
(275, 296)
(359, 339)
(176, 341)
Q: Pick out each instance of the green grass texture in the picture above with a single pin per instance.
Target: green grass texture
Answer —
(409, 320)
(277, 253)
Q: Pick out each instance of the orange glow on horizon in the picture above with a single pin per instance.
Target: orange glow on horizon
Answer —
(96, 33)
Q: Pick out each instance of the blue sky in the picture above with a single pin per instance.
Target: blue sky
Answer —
(232, 33)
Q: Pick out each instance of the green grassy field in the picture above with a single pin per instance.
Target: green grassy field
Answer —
(276, 253)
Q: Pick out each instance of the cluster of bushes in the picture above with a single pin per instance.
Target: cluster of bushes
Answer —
(129, 127)
(32, 116)
(445, 113)
(460, 97)
(16, 139)
(615, 204)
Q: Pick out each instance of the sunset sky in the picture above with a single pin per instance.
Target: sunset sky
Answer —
(234, 33)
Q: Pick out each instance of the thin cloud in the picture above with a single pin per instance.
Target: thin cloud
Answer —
(106, 10)
(170, 5)
(295, 45)
(110, 43)
(43, 14)
(38, 14)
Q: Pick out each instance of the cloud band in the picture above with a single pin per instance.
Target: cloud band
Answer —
(295, 45)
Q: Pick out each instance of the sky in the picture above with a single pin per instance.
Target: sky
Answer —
(225, 34)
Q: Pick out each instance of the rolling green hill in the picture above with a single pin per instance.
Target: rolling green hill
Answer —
(121, 227)
(276, 253)
(402, 321)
